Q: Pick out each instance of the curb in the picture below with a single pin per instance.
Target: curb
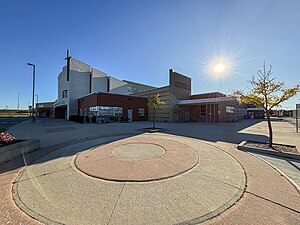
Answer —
(242, 147)
(279, 171)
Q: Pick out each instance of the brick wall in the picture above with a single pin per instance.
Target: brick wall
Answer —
(114, 100)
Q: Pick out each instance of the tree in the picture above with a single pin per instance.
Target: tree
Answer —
(153, 103)
(266, 93)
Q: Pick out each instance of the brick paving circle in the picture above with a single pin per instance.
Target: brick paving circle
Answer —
(138, 151)
(137, 159)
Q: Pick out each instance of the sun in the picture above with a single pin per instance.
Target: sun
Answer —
(219, 65)
(219, 68)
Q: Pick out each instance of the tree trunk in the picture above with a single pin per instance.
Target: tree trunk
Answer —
(270, 129)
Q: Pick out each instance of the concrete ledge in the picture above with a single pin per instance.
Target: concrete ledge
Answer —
(242, 147)
(14, 150)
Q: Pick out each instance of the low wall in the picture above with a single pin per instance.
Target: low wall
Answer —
(11, 151)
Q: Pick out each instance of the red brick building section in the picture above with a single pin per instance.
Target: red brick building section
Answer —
(209, 112)
(116, 100)
(212, 108)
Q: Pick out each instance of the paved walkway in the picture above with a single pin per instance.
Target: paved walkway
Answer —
(53, 188)
(286, 166)
(140, 158)
(269, 198)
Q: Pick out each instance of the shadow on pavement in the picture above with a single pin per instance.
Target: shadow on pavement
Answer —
(36, 157)
(223, 132)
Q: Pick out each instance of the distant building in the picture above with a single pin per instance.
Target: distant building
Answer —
(256, 113)
(43, 109)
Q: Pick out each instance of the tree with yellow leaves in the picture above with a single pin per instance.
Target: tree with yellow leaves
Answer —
(153, 103)
(267, 93)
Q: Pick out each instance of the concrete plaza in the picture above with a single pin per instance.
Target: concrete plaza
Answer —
(225, 186)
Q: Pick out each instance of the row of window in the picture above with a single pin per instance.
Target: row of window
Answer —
(111, 111)
(229, 110)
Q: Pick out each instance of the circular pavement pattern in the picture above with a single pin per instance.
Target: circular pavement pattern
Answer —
(137, 159)
(138, 151)
(53, 191)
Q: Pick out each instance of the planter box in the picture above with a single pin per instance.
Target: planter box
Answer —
(10, 151)
(242, 146)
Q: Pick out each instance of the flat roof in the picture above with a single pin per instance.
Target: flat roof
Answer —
(208, 93)
(109, 93)
(205, 100)
(255, 109)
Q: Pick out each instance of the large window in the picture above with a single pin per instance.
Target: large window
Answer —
(64, 93)
(106, 111)
(141, 111)
(203, 110)
(230, 109)
(93, 110)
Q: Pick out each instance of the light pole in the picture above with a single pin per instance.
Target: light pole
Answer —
(33, 82)
(18, 106)
(36, 108)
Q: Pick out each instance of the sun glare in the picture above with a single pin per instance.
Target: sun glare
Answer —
(219, 65)
(219, 68)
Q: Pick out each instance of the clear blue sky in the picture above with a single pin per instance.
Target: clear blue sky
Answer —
(140, 41)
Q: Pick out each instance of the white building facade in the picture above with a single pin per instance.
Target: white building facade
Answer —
(83, 80)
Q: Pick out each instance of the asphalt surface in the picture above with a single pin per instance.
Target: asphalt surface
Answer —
(7, 122)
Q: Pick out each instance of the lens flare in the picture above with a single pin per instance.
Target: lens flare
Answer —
(219, 68)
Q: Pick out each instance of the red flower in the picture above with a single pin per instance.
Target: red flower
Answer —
(6, 138)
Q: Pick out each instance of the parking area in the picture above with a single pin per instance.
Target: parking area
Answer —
(7, 122)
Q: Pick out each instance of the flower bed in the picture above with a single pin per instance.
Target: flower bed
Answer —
(276, 147)
(6, 138)
(280, 150)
